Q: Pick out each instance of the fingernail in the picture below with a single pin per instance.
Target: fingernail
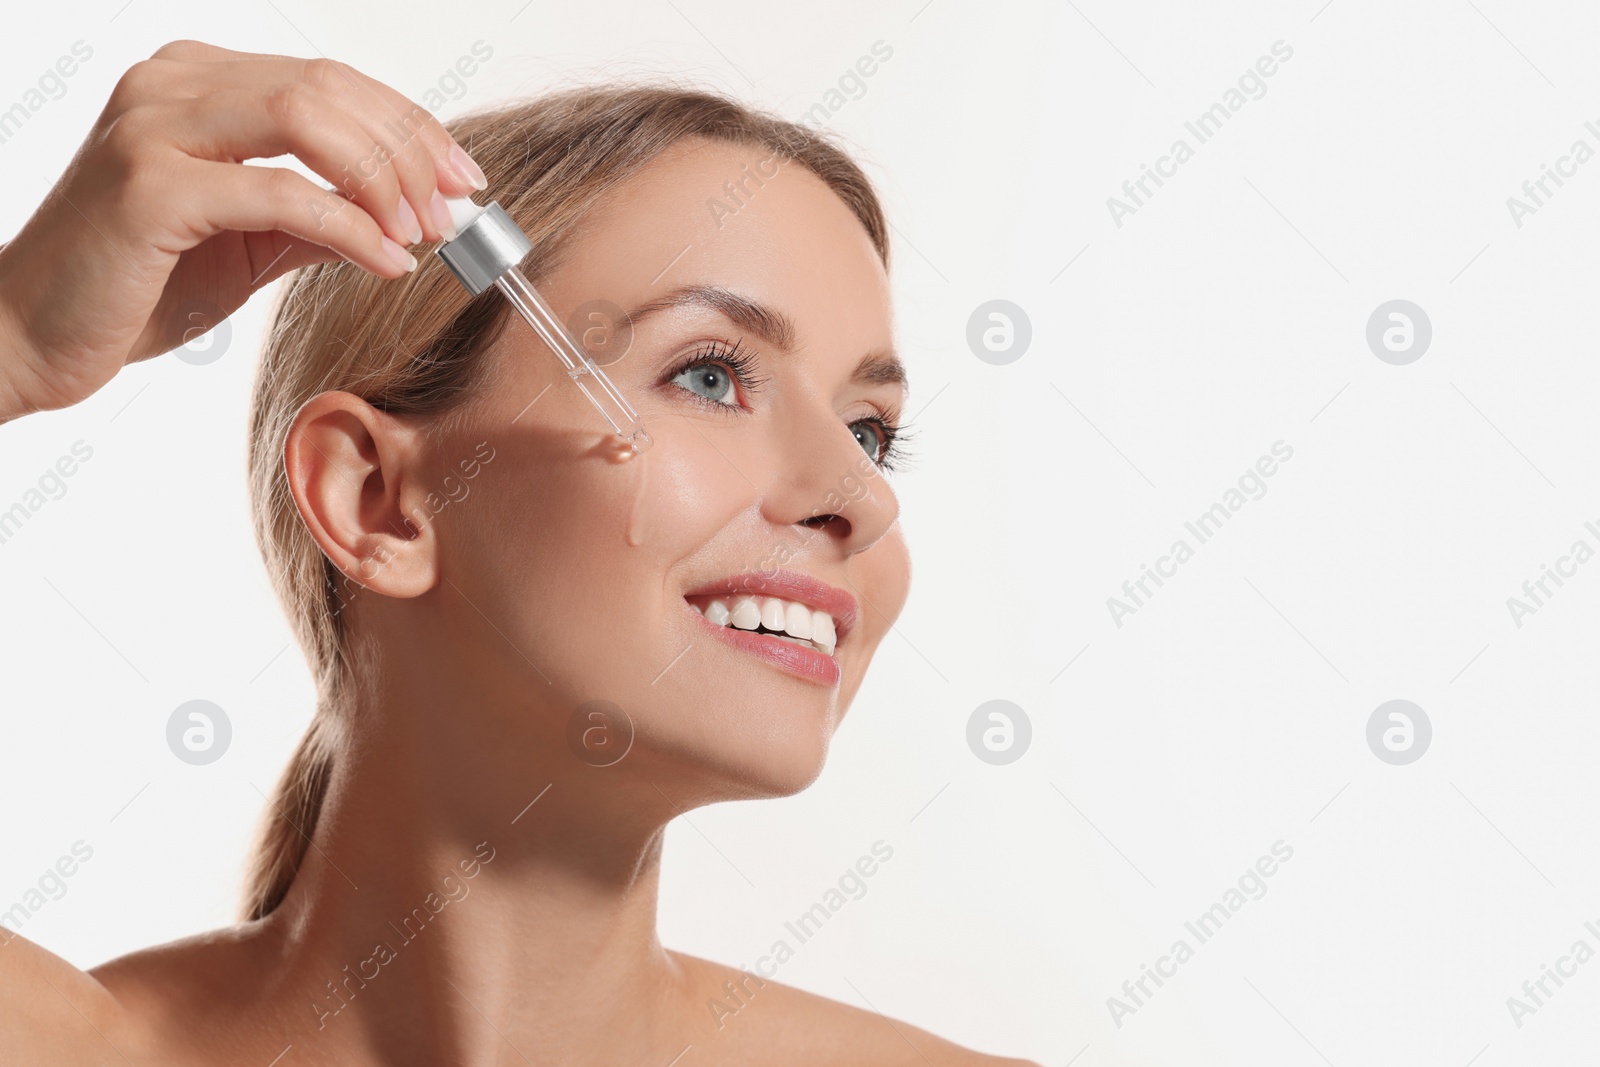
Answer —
(408, 221)
(467, 168)
(399, 256)
(441, 216)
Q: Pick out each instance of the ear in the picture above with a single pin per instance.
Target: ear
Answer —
(350, 468)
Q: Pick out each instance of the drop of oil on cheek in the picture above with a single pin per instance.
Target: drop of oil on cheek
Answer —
(638, 517)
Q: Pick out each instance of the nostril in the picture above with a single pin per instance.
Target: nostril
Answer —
(838, 524)
(826, 522)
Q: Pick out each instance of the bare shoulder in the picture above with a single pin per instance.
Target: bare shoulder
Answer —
(178, 980)
(50, 1011)
(141, 1007)
(746, 1015)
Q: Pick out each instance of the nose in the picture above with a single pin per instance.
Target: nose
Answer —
(825, 484)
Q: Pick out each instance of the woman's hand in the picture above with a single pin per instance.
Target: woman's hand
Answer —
(156, 215)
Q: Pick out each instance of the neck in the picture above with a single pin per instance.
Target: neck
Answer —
(464, 902)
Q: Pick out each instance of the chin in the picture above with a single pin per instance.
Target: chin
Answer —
(785, 772)
(740, 756)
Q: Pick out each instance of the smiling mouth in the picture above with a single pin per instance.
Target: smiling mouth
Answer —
(785, 620)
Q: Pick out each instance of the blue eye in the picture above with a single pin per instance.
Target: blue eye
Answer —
(875, 441)
(707, 379)
(884, 442)
(710, 373)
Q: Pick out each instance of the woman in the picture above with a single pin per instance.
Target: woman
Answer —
(532, 649)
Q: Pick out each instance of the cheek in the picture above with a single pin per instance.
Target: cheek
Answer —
(685, 489)
(882, 579)
(569, 555)
(883, 575)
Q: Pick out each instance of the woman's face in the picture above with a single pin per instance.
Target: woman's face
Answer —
(595, 569)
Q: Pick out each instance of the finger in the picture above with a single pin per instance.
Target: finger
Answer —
(401, 128)
(242, 124)
(449, 157)
(415, 138)
(230, 196)
(190, 51)
(282, 253)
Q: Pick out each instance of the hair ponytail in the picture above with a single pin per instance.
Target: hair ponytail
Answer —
(289, 820)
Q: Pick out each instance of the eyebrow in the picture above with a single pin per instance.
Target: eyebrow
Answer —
(878, 367)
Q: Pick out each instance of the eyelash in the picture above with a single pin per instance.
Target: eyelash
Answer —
(741, 363)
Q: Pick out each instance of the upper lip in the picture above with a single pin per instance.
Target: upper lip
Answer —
(790, 585)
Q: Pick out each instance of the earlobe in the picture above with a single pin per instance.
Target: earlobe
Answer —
(349, 470)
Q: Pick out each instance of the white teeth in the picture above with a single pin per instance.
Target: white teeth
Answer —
(746, 615)
(797, 620)
(802, 625)
(793, 640)
(822, 631)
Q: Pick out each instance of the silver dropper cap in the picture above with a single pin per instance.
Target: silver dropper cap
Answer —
(484, 248)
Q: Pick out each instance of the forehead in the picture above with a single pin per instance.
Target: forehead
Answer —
(741, 217)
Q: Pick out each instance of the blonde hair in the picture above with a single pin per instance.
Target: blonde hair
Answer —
(414, 346)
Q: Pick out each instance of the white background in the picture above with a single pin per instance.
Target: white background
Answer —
(1228, 313)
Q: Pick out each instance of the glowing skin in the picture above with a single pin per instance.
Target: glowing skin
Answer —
(558, 580)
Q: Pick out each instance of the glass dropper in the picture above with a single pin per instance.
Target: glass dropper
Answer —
(485, 251)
